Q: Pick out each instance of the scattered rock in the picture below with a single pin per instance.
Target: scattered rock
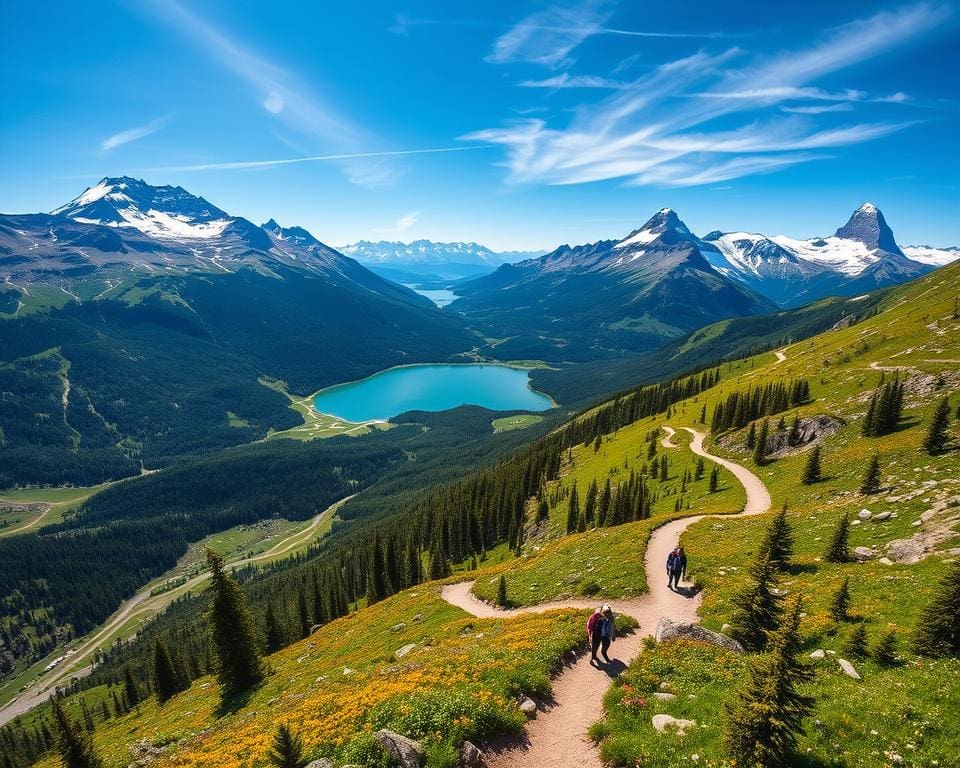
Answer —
(905, 550)
(144, 753)
(470, 756)
(863, 553)
(417, 618)
(668, 629)
(321, 763)
(528, 706)
(401, 652)
(664, 696)
(726, 629)
(347, 671)
(818, 654)
(848, 669)
(865, 514)
(405, 751)
(662, 722)
(880, 517)
(398, 627)
(885, 561)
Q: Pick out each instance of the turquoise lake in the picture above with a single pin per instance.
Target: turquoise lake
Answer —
(431, 388)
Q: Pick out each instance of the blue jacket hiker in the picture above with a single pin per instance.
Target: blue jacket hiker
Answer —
(676, 567)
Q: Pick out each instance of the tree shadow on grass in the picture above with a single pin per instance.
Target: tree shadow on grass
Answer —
(233, 702)
(797, 569)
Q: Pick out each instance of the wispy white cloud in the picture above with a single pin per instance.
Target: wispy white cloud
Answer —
(566, 80)
(664, 127)
(548, 37)
(246, 165)
(287, 100)
(133, 134)
(402, 224)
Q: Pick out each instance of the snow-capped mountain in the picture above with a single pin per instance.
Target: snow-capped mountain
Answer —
(860, 256)
(123, 227)
(609, 297)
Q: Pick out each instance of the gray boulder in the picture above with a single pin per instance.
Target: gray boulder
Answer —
(321, 763)
(663, 722)
(905, 550)
(668, 629)
(470, 756)
(529, 707)
(848, 669)
(405, 751)
(863, 553)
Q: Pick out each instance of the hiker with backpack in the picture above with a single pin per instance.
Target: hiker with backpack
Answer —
(601, 631)
(676, 568)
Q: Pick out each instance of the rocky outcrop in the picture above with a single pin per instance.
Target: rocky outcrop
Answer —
(470, 755)
(405, 751)
(662, 723)
(667, 629)
(528, 706)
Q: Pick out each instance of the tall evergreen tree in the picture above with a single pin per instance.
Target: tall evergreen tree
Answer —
(502, 599)
(840, 602)
(714, 479)
(573, 509)
(766, 719)
(131, 693)
(938, 434)
(303, 614)
(752, 436)
(232, 631)
(938, 630)
(757, 607)
(73, 743)
(168, 678)
(760, 449)
(287, 749)
(871, 479)
(838, 551)
(274, 634)
(813, 471)
(700, 468)
(777, 544)
(793, 436)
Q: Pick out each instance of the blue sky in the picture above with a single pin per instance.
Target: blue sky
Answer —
(515, 124)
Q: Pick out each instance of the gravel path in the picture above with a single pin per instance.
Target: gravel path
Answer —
(557, 738)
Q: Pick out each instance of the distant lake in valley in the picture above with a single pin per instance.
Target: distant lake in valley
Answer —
(431, 388)
(439, 296)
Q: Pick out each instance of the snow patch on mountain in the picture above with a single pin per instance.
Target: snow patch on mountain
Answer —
(934, 257)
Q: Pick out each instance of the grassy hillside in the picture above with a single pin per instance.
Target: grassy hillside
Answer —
(904, 714)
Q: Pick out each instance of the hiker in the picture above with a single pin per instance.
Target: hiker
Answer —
(602, 632)
(676, 568)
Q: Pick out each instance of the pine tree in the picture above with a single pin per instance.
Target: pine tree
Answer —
(232, 631)
(871, 480)
(502, 599)
(168, 678)
(764, 722)
(812, 472)
(703, 415)
(287, 749)
(939, 432)
(885, 651)
(752, 436)
(543, 511)
(760, 449)
(714, 479)
(73, 743)
(856, 645)
(303, 614)
(840, 602)
(130, 691)
(573, 509)
(777, 544)
(869, 421)
(664, 472)
(698, 472)
(758, 608)
(839, 549)
(938, 630)
(274, 635)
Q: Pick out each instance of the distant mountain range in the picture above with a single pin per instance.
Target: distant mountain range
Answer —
(426, 259)
(662, 281)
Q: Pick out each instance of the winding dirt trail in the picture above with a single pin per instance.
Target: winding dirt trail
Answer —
(145, 602)
(557, 738)
(780, 356)
(667, 442)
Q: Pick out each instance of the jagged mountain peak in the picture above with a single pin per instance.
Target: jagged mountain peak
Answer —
(664, 226)
(868, 226)
(295, 235)
(164, 211)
